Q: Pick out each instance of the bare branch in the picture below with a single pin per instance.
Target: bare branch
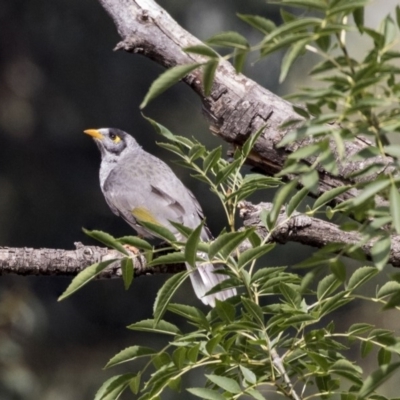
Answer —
(57, 262)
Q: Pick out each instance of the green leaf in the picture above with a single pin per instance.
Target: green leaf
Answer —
(255, 394)
(225, 311)
(359, 328)
(130, 354)
(280, 197)
(360, 276)
(135, 241)
(327, 286)
(112, 388)
(208, 75)
(170, 258)
(166, 80)
(370, 190)
(127, 271)
(358, 16)
(135, 383)
(377, 378)
(262, 24)
(329, 196)
(206, 394)
(251, 141)
(255, 253)
(226, 243)
(248, 375)
(292, 53)
(202, 50)
(389, 30)
(166, 292)
(312, 4)
(162, 326)
(310, 180)
(228, 384)
(254, 310)
(384, 356)
(295, 201)
(192, 244)
(229, 39)
(380, 252)
(226, 171)
(388, 289)
(159, 231)
(366, 348)
(189, 313)
(106, 239)
(84, 277)
(394, 198)
(239, 59)
(212, 159)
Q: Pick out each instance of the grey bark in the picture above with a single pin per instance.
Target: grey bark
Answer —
(236, 108)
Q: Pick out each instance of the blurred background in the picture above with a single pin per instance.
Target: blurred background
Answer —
(59, 76)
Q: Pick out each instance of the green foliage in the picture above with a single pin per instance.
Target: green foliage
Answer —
(279, 334)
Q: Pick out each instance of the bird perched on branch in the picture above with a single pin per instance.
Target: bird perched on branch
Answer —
(140, 187)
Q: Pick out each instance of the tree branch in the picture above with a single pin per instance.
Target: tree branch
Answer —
(237, 106)
(301, 228)
(57, 262)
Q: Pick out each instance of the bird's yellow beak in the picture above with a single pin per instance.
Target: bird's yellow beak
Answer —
(94, 133)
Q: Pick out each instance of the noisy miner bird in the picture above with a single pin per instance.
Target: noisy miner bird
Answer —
(140, 187)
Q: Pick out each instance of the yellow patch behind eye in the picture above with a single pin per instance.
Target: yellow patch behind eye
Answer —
(143, 214)
(117, 139)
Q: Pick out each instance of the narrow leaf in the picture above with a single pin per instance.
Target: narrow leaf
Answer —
(112, 388)
(380, 252)
(329, 196)
(166, 80)
(130, 354)
(377, 378)
(229, 39)
(202, 50)
(148, 325)
(106, 239)
(225, 383)
(226, 243)
(135, 241)
(360, 276)
(208, 75)
(252, 254)
(165, 294)
(206, 394)
(192, 244)
(84, 277)
(295, 201)
(127, 271)
(394, 198)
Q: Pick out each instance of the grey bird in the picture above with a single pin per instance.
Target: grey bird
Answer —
(138, 187)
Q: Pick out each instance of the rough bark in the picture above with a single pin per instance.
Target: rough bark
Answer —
(57, 262)
(236, 108)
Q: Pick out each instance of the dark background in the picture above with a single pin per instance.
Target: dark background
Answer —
(59, 76)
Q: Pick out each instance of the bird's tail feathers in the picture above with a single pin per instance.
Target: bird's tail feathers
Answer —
(204, 279)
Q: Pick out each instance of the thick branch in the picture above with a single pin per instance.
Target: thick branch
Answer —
(237, 106)
(301, 228)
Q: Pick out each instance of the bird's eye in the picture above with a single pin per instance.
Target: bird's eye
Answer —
(115, 138)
